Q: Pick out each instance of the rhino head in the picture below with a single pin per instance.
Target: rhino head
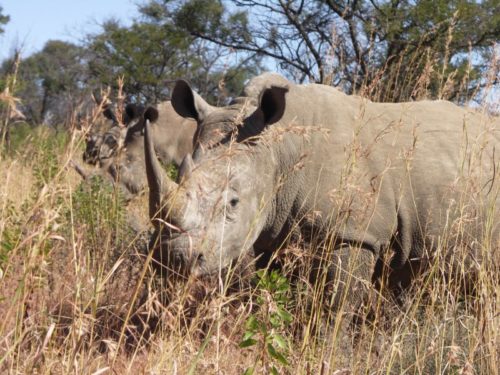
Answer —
(222, 200)
(108, 133)
(101, 118)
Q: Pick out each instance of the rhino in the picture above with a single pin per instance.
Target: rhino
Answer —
(107, 135)
(367, 184)
(105, 120)
(119, 151)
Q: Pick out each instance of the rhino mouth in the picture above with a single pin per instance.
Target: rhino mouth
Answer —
(177, 254)
(90, 157)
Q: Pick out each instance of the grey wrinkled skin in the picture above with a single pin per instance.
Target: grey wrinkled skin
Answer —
(119, 151)
(361, 181)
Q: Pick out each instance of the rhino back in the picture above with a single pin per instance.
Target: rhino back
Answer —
(396, 175)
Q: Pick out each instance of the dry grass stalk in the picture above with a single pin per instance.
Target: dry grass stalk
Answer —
(76, 302)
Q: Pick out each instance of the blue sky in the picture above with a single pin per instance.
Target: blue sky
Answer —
(33, 22)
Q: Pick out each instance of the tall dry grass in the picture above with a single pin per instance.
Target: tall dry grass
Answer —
(79, 294)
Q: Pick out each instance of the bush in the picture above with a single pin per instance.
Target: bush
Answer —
(98, 206)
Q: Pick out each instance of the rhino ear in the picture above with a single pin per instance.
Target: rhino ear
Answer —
(109, 113)
(97, 97)
(187, 103)
(132, 111)
(272, 103)
(151, 114)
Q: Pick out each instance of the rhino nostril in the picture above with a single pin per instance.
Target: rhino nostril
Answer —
(200, 259)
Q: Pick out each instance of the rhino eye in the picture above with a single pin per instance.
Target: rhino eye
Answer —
(234, 202)
(111, 142)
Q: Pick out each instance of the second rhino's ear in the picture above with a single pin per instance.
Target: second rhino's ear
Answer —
(272, 103)
(108, 112)
(271, 107)
(187, 103)
(132, 111)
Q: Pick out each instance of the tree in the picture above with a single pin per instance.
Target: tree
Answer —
(141, 54)
(52, 82)
(154, 51)
(392, 50)
(4, 19)
(8, 102)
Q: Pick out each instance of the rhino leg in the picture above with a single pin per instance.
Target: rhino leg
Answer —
(344, 277)
(83, 174)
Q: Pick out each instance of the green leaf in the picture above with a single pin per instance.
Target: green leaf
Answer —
(275, 354)
(274, 371)
(247, 343)
(285, 315)
(275, 320)
(248, 371)
(252, 323)
(281, 341)
(248, 335)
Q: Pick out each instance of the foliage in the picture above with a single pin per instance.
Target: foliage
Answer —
(172, 171)
(8, 102)
(40, 148)
(97, 205)
(154, 51)
(19, 136)
(11, 236)
(52, 83)
(4, 19)
(266, 328)
(142, 54)
(45, 148)
(388, 47)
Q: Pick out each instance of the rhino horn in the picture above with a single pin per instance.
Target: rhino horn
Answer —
(159, 183)
(79, 169)
(186, 167)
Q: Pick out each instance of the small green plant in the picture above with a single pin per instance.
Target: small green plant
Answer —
(47, 148)
(19, 134)
(266, 329)
(172, 171)
(9, 237)
(41, 148)
(98, 206)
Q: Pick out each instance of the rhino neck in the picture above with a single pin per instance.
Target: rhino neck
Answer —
(282, 163)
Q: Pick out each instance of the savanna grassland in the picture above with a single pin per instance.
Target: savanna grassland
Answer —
(78, 294)
(78, 291)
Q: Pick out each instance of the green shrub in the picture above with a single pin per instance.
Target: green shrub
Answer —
(19, 134)
(47, 147)
(266, 329)
(99, 206)
(10, 236)
(172, 171)
(41, 147)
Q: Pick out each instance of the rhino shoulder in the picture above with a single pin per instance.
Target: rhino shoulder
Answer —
(264, 81)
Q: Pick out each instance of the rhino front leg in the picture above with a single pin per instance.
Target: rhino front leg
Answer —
(343, 278)
(83, 174)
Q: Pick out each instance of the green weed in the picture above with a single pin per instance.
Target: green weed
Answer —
(266, 329)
